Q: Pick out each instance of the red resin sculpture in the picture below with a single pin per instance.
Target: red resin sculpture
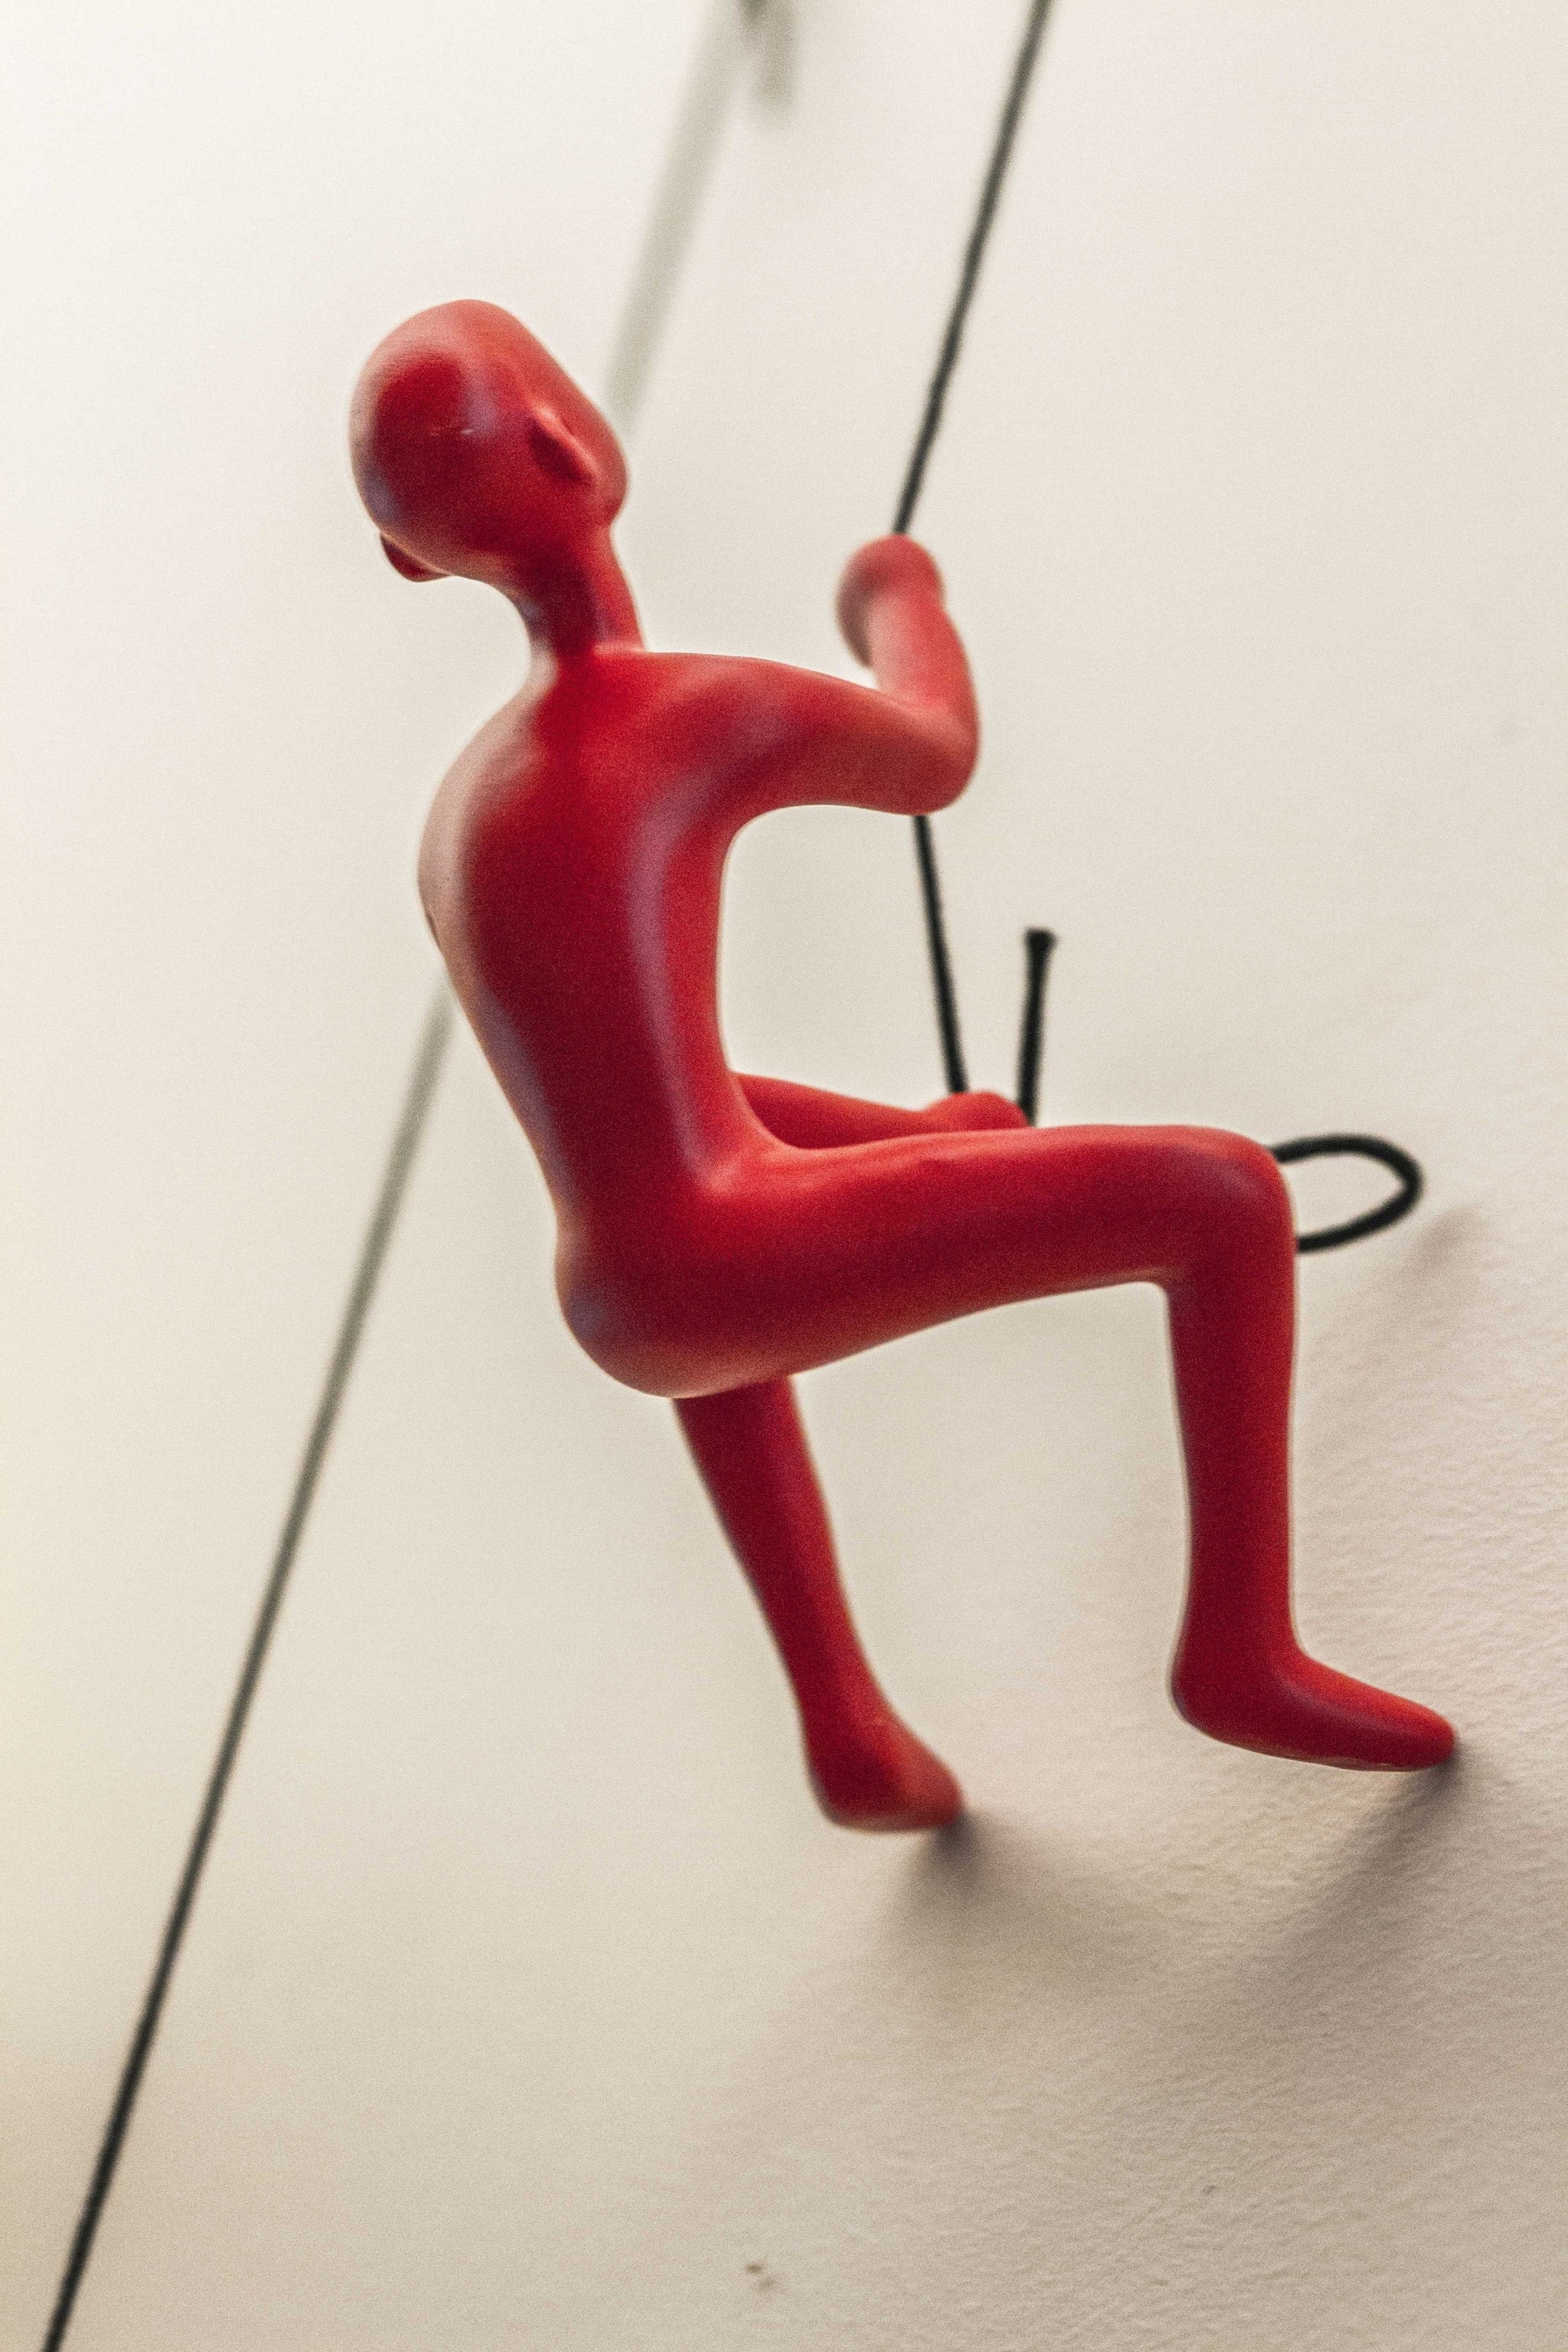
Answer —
(718, 1233)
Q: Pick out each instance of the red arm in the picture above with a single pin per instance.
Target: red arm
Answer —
(768, 736)
(815, 1120)
(894, 619)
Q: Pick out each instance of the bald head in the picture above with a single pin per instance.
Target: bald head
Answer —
(476, 454)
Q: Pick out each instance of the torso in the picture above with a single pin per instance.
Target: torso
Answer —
(570, 870)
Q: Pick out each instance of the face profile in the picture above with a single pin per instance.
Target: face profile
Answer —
(476, 453)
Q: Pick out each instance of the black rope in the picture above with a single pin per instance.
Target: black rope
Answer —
(973, 254)
(1398, 1205)
(373, 1252)
(914, 481)
(952, 1065)
(1038, 948)
(693, 146)
(1038, 943)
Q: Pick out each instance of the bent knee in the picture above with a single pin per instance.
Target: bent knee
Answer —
(1239, 1186)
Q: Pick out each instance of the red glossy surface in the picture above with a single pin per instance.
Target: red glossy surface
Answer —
(718, 1233)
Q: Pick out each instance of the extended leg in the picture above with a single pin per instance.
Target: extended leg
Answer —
(1240, 1673)
(869, 1770)
(828, 1252)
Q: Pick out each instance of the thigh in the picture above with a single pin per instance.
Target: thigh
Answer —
(796, 1259)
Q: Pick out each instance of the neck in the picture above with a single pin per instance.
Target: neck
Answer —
(582, 602)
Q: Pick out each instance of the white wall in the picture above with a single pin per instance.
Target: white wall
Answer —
(220, 718)
(529, 2002)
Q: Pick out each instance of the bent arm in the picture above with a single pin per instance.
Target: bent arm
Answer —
(773, 737)
(812, 1120)
(893, 614)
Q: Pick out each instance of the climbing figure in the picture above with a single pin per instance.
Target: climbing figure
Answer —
(718, 1233)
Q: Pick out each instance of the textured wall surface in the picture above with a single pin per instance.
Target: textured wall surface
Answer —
(529, 2002)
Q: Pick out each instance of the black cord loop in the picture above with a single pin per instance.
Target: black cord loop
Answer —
(1399, 1204)
(1038, 946)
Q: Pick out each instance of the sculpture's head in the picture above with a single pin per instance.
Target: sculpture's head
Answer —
(476, 454)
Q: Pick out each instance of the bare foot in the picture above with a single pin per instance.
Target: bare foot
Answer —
(1310, 1713)
(876, 1775)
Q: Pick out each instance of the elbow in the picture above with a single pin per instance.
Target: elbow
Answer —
(935, 780)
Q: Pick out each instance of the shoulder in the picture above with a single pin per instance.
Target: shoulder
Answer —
(678, 710)
(737, 710)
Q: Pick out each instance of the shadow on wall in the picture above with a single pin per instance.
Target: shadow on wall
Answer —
(989, 1897)
(1182, 2019)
